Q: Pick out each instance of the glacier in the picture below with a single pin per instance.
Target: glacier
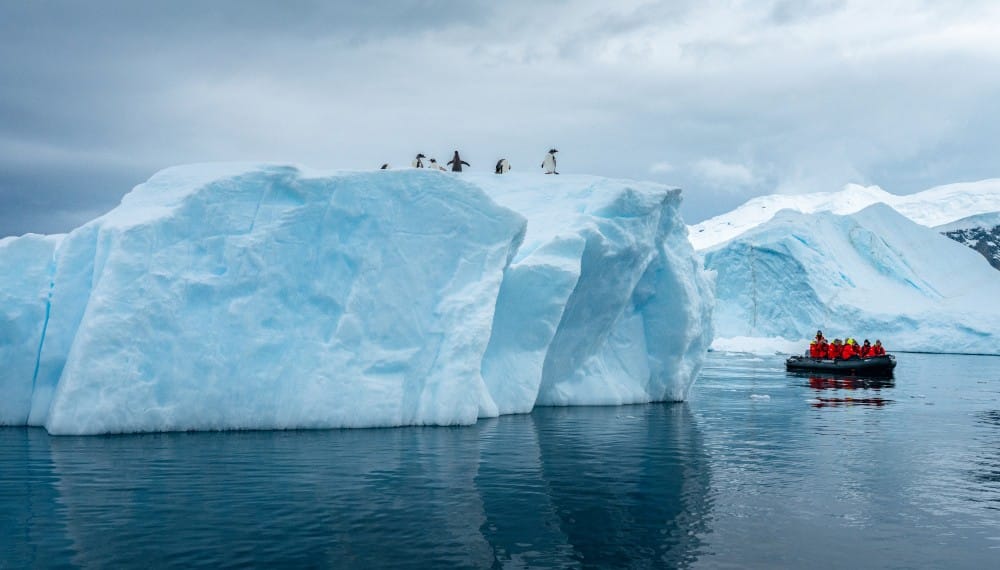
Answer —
(933, 207)
(248, 296)
(870, 274)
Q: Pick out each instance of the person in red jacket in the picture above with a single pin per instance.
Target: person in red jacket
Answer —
(835, 349)
(824, 349)
(850, 350)
(814, 349)
(846, 351)
(866, 349)
(878, 349)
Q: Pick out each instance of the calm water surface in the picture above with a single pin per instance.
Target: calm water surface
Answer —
(758, 469)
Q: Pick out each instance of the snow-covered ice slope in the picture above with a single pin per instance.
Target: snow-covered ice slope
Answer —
(930, 208)
(987, 221)
(245, 296)
(873, 274)
(981, 233)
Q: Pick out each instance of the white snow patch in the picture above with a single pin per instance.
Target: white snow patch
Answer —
(986, 221)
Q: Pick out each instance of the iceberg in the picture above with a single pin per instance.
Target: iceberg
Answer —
(242, 296)
(874, 274)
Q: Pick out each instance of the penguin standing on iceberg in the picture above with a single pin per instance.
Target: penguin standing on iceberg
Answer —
(549, 163)
(418, 162)
(456, 163)
(503, 166)
(434, 165)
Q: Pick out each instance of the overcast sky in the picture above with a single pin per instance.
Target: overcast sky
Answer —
(727, 99)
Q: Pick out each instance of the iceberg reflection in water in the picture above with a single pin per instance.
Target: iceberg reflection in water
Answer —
(746, 474)
(559, 487)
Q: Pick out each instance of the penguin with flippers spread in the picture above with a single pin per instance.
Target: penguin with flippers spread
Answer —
(456, 163)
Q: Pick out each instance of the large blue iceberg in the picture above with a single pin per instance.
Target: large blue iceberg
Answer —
(273, 297)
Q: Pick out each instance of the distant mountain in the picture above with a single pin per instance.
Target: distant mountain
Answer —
(931, 208)
(981, 233)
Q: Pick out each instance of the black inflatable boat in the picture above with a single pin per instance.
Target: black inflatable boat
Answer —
(880, 366)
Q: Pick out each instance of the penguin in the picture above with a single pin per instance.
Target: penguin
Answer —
(434, 165)
(503, 166)
(385, 166)
(549, 163)
(456, 163)
(418, 162)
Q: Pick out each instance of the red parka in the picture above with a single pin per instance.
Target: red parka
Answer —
(848, 351)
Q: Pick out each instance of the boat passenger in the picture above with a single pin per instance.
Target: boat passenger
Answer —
(835, 349)
(878, 349)
(866, 349)
(824, 349)
(849, 350)
(814, 349)
(819, 336)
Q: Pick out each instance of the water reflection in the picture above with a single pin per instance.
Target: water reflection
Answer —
(987, 463)
(834, 402)
(820, 383)
(850, 383)
(557, 488)
(629, 485)
(31, 530)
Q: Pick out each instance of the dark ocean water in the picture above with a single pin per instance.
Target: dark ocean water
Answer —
(759, 469)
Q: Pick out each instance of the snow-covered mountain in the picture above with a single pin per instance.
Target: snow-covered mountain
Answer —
(245, 296)
(981, 233)
(931, 208)
(871, 274)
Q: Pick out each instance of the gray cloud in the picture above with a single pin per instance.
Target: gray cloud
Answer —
(738, 99)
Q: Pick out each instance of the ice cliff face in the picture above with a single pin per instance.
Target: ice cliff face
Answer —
(237, 297)
(27, 267)
(873, 274)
